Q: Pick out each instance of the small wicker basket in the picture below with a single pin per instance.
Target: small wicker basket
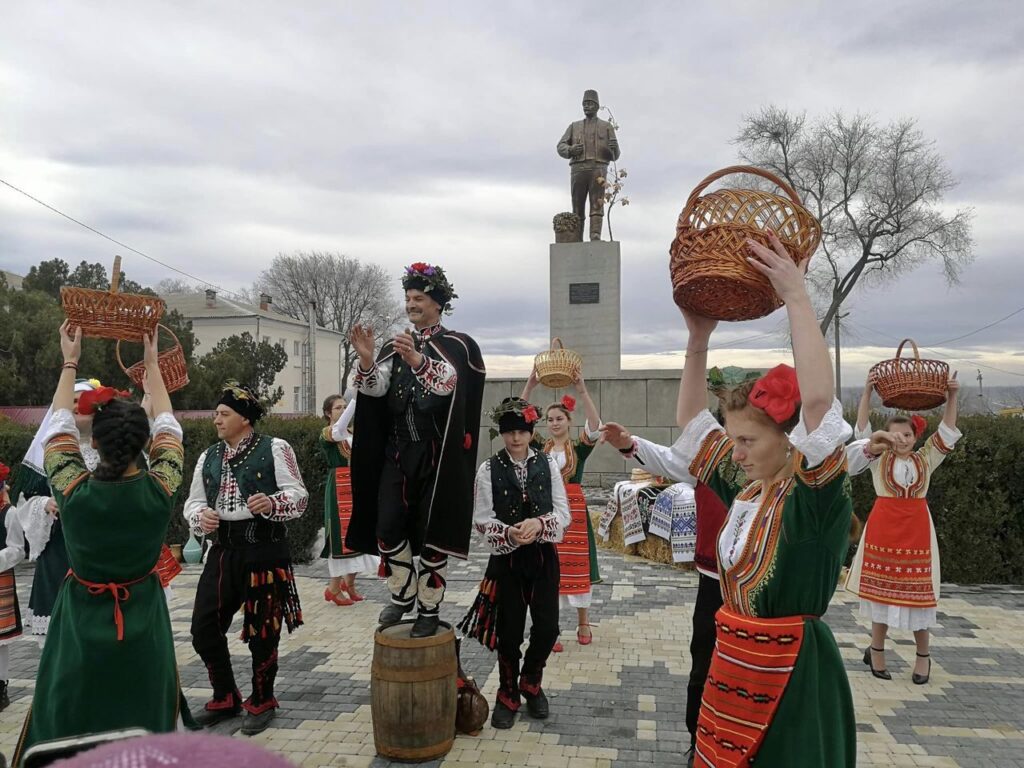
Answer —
(708, 265)
(109, 314)
(171, 361)
(913, 385)
(557, 368)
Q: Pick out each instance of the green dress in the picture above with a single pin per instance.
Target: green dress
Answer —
(109, 664)
(789, 566)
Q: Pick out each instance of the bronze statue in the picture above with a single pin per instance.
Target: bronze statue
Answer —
(589, 145)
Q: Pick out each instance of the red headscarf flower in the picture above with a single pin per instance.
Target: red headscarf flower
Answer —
(777, 393)
(5, 472)
(419, 266)
(93, 401)
(530, 414)
(569, 403)
(918, 424)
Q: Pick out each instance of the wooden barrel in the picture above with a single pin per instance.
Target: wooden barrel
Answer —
(413, 692)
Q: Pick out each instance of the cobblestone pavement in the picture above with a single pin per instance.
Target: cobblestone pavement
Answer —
(620, 701)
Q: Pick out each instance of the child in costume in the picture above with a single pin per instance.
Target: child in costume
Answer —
(521, 510)
(896, 570)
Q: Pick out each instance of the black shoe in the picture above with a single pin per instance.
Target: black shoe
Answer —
(881, 674)
(210, 717)
(425, 626)
(392, 614)
(254, 724)
(502, 717)
(5, 699)
(689, 757)
(537, 704)
(922, 679)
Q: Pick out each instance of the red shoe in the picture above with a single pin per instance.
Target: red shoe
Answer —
(557, 648)
(338, 598)
(351, 588)
(584, 639)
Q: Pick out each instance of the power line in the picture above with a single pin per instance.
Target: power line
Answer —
(979, 330)
(118, 242)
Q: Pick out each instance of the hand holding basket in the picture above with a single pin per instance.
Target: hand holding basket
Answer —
(109, 314)
(911, 384)
(557, 367)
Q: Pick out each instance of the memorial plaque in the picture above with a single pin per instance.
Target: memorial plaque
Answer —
(584, 293)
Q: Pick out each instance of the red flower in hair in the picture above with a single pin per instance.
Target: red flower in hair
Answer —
(569, 403)
(530, 414)
(93, 401)
(918, 424)
(777, 393)
(419, 266)
(5, 472)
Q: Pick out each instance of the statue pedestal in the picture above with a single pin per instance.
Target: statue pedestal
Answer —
(585, 314)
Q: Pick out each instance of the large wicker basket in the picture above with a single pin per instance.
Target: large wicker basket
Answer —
(109, 314)
(913, 385)
(172, 364)
(708, 265)
(557, 367)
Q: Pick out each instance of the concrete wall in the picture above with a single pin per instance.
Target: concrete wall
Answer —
(642, 401)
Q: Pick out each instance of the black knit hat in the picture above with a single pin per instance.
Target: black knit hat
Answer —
(515, 413)
(242, 401)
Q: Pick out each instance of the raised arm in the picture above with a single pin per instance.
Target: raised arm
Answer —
(71, 349)
(810, 353)
(952, 391)
(530, 385)
(159, 400)
(693, 391)
(589, 409)
(864, 407)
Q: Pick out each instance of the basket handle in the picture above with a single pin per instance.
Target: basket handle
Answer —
(559, 341)
(115, 275)
(117, 347)
(899, 350)
(750, 169)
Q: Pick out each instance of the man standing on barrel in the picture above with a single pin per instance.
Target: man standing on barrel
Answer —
(414, 451)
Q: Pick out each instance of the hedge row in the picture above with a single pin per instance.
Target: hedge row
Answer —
(976, 497)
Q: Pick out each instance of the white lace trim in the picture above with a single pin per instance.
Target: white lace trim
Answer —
(899, 616)
(832, 432)
(165, 422)
(36, 523)
(343, 566)
(693, 435)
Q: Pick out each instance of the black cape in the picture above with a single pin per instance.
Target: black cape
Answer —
(449, 519)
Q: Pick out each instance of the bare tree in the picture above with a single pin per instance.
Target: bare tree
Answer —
(876, 189)
(175, 285)
(345, 290)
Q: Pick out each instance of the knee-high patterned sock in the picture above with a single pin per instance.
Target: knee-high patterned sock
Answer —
(399, 573)
(508, 688)
(433, 579)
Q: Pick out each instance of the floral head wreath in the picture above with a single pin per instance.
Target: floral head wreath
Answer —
(515, 405)
(242, 401)
(730, 377)
(432, 280)
(95, 400)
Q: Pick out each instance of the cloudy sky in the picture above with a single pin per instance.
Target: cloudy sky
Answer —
(213, 136)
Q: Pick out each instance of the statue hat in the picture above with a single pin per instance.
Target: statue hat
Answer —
(591, 95)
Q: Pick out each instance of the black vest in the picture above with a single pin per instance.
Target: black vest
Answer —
(253, 469)
(511, 505)
(408, 400)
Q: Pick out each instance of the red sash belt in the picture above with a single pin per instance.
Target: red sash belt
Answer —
(897, 566)
(574, 548)
(119, 591)
(750, 669)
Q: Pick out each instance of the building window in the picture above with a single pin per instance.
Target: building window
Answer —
(297, 353)
(297, 408)
(266, 339)
(284, 345)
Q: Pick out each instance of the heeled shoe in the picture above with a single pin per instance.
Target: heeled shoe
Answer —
(581, 639)
(881, 674)
(557, 647)
(338, 598)
(355, 596)
(917, 679)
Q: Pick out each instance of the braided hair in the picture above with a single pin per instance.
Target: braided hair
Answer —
(121, 431)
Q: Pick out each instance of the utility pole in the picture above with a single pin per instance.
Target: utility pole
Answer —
(839, 376)
(980, 391)
(311, 393)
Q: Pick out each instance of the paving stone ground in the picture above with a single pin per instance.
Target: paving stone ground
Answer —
(620, 701)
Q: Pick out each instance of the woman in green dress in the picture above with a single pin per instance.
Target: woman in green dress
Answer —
(108, 662)
(777, 692)
(577, 552)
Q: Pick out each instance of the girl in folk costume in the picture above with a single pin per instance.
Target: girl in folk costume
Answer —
(896, 570)
(577, 552)
(12, 553)
(342, 563)
(777, 692)
(36, 508)
(108, 662)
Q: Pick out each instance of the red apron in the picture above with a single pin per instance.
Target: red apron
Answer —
(574, 548)
(897, 545)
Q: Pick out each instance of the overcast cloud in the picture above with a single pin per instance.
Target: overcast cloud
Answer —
(213, 136)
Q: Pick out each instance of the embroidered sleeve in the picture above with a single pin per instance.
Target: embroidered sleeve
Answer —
(588, 436)
(437, 376)
(557, 520)
(14, 547)
(824, 472)
(858, 459)
(832, 433)
(167, 454)
(493, 531)
(291, 498)
(196, 501)
(939, 445)
(663, 460)
(62, 456)
(375, 381)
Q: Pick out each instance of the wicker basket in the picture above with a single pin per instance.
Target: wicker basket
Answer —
(913, 385)
(109, 314)
(708, 265)
(557, 368)
(172, 364)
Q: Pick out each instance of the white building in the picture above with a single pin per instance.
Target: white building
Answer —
(215, 318)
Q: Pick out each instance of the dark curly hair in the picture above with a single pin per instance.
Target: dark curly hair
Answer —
(121, 431)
